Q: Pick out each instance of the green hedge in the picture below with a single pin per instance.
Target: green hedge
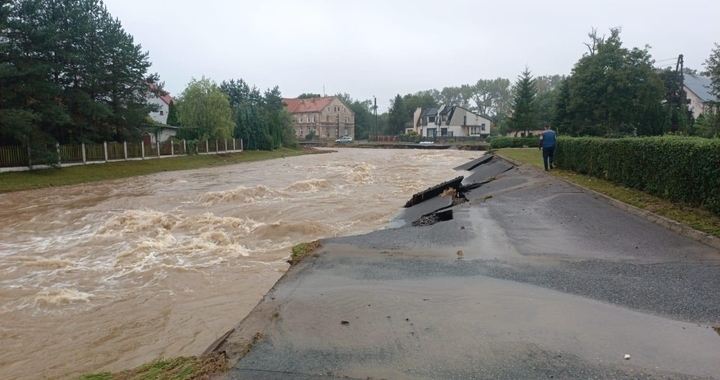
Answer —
(680, 169)
(513, 142)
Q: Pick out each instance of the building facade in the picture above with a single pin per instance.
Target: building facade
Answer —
(449, 121)
(324, 118)
(698, 93)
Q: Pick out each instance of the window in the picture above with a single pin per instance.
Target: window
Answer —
(346, 132)
(301, 131)
(347, 119)
(162, 113)
(465, 120)
(431, 119)
(300, 120)
(482, 126)
(308, 119)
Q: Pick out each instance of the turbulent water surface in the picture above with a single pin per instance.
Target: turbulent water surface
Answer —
(108, 276)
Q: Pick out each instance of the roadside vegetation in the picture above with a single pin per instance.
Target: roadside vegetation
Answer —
(303, 250)
(697, 218)
(182, 368)
(16, 181)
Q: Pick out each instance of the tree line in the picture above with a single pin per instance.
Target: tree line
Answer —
(70, 73)
(611, 91)
(206, 110)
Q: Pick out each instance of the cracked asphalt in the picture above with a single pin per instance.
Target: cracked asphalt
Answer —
(531, 279)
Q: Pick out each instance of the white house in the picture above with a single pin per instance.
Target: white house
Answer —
(450, 121)
(163, 104)
(698, 92)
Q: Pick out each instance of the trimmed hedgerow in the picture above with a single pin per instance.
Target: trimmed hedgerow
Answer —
(680, 169)
(513, 142)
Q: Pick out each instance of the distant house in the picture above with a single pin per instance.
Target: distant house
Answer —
(698, 92)
(159, 133)
(163, 103)
(326, 117)
(449, 121)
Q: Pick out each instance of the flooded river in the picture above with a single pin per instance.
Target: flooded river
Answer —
(108, 276)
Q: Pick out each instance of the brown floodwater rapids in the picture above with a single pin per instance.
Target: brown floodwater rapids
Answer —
(107, 276)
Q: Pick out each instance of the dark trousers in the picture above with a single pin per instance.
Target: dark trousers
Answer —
(548, 155)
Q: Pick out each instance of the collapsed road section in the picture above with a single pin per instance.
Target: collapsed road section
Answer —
(434, 204)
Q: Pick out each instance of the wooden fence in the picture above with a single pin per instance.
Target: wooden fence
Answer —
(13, 158)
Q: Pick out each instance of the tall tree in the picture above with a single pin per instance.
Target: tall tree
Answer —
(398, 116)
(524, 112)
(613, 89)
(711, 124)
(261, 119)
(204, 111)
(70, 73)
(712, 67)
(173, 115)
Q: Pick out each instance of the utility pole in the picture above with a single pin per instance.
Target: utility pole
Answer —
(678, 100)
(375, 116)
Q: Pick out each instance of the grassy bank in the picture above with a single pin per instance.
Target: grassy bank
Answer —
(697, 218)
(115, 170)
(184, 368)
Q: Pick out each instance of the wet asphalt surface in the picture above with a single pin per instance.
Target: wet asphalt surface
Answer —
(531, 279)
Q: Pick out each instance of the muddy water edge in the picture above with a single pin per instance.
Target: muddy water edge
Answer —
(110, 275)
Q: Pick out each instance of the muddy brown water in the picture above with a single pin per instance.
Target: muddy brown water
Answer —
(108, 276)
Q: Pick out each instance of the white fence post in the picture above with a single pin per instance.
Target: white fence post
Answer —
(29, 159)
(157, 146)
(106, 152)
(185, 147)
(225, 145)
(241, 145)
(83, 153)
(217, 147)
(233, 144)
(172, 148)
(142, 149)
(57, 147)
(125, 148)
(207, 147)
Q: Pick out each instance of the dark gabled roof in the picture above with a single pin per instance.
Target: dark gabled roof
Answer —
(430, 112)
(700, 86)
(446, 110)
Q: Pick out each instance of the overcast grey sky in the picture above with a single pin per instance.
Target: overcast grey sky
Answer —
(386, 47)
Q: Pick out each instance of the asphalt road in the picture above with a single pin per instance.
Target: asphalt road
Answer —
(531, 279)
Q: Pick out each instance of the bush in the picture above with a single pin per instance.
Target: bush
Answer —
(680, 169)
(513, 142)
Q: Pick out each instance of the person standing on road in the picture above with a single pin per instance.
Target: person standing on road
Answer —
(547, 145)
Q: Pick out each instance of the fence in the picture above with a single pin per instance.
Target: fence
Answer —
(17, 158)
(417, 139)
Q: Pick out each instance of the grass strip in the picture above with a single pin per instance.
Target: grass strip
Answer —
(303, 250)
(697, 218)
(181, 368)
(17, 181)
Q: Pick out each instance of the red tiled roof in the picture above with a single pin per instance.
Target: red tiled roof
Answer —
(165, 98)
(307, 105)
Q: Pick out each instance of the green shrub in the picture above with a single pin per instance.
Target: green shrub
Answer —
(513, 142)
(680, 169)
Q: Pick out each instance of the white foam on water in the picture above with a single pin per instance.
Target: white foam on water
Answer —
(61, 296)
